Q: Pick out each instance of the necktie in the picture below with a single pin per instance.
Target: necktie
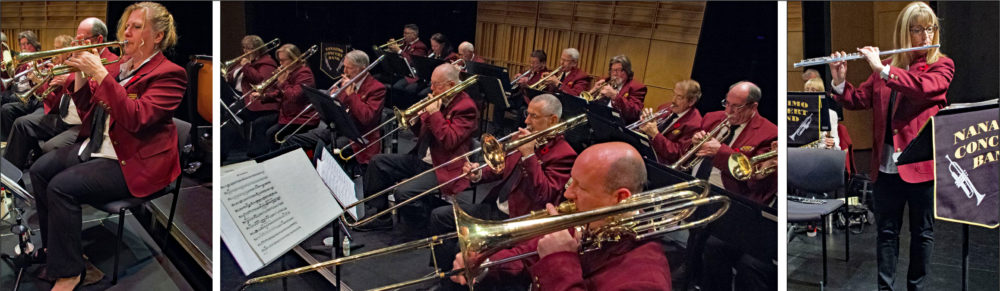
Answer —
(663, 127)
(96, 133)
(706, 169)
(64, 106)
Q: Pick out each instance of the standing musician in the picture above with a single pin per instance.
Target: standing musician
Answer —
(749, 133)
(13, 108)
(252, 69)
(624, 93)
(441, 48)
(673, 137)
(407, 87)
(363, 101)
(903, 92)
(571, 80)
(288, 93)
(603, 175)
(444, 131)
(129, 146)
(467, 53)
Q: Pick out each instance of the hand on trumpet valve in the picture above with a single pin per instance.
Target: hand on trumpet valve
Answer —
(528, 147)
(89, 64)
(609, 92)
(709, 148)
(560, 241)
(473, 176)
(649, 128)
(871, 55)
(394, 45)
(551, 82)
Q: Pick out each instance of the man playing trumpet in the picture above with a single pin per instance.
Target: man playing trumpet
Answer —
(570, 79)
(621, 92)
(672, 136)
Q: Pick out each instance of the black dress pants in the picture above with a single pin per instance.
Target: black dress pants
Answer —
(28, 130)
(386, 170)
(890, 196)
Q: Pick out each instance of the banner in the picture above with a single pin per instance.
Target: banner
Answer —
(966, 149)
(332, 58)
(803, 117)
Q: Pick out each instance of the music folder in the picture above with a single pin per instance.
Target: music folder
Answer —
(482, 69)
(332, 112)
(425, 66)
(395, 64)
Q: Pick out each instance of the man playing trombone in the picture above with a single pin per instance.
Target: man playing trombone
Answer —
(603, 175)
(672, 134)
(289, 96)
(570, 79)
(444, 130)
(253, 69)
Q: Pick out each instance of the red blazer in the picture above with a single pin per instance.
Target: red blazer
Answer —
(542, 181)
(452, 56)
(755, 139)
(365, 107)
(417, 48)
(290, 97)
(532, 78)
(630, 101)
(52, 101)
(922, 89)
(674, 141)
(142, 129)
(450, 132)
(627, 265)
(255, 73)
(575, 82)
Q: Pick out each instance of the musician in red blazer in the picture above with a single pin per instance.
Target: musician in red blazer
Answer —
(441, 49)
(671, 135)
(252, 70)
(363, 101)
(754, 135)
(603, 175)
(289, 95)
(406, 88)
(444, 130)
(129, 141)
(903, 92)
(623, 93)
(571, 80)
(536, 68)
(467, 53)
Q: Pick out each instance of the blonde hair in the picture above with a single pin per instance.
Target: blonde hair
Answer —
(290, 49)
(914, 13)
(816, 85)
(157, 17)
(62, 41)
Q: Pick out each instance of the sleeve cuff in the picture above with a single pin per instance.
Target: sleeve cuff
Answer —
(838, 89)
(885, 72)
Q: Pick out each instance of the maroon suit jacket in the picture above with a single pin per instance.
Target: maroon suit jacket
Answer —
(576, 81)
(627, 265)
(450, 132)
(755, 139)
(922, 89)
(290, 97)
(365, 108)
(542, 181)
(417, 48)
(255, 73)
(142, 129)
(52, 100)
(532, 78)
(630, 101)
(674, 141)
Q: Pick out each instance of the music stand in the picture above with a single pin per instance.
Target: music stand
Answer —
(331, 112)
(498, 72)
(425, 66)
(603, 111)
(396, 65)
(605, 131)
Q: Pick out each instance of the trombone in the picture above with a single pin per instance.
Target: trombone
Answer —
(387, 44)
(259, 88)
(642, 216)
(495, 153)
(267, 47)
(743, 168)
(334, 96)
(540, 85)
(689, 160)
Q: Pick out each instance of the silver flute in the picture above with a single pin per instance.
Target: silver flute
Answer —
(855, 56)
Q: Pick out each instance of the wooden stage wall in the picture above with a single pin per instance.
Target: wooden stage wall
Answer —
(48, 19)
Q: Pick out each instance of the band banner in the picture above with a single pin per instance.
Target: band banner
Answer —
(966, 149)
(332, 58)
(803, 121)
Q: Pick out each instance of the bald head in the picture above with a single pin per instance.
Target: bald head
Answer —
(619, 164)
(466, 48)
(445, 73)
(746, 90)
(92, 27)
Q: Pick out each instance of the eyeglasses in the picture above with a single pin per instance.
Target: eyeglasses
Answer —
(726, 105)
(929, 30)
(537, 116)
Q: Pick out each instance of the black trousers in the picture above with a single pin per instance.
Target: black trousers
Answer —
(751, 274)
(28, 130)
(11, 111)
(386, 170)
(259, 122)
(890, 196)
(270, 138)
(309, 139)
(62, 183)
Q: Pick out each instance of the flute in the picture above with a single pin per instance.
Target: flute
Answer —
(855, 56)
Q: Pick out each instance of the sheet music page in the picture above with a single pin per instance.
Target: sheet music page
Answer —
(276, 204)
(337, 180)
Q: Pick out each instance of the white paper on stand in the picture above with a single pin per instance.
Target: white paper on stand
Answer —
(338, 181)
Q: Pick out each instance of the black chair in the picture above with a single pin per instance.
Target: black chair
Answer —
(817, 171)
(121, 207)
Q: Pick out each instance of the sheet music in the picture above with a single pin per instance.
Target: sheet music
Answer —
(272, 207)
(337, 180)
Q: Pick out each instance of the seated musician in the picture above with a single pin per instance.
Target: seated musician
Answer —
(408, 87)
(129, 141)
(832, 139)
(251, 70)
(441, 48)
(444, 130)
(671, 136)
(571, 79)
(537, 68)
(519, 99)
(12, 107)
(623, 93)
(603, 175)
(59, 124)
(467, 53)
(363, 101)
(288, 93)
(749, 133)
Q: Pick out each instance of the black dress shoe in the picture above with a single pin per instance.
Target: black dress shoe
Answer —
(377, 224)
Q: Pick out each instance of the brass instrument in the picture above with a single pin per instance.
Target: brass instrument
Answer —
(513, 83)
(8, 81)
(260, 88)
(228, 65)
(818, 143)
(856, 56)
(387, 44)
(743, 168)
(11, 65)
(47, 76)
(495, 153)
(689, 160)
(540, 85)
(660, 117)
(641, 216)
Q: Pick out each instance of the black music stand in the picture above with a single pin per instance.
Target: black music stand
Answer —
(337, 227)
(425, 66)
(603, 130)
(483, 69)
(331, 112)
(20, 229)
(396, 65)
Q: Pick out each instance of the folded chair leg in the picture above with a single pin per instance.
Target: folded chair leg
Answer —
(118, 243)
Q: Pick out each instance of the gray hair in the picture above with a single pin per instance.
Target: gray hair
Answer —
(754, 94)
(573, 53)
(449, 72)
(552, 105)
(31, 37)
(627, 172)
(97, 27)
(466, 47)
(3, 37)
(357, 57)
(626, 64)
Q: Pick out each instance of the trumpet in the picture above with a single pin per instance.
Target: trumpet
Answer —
(642, 216)
(856, 56)
(350, 82)
(689, 160)
(259, 88)
(660, 117)
(47, 76)
(387, 44)
(743, 168)
(540, 85)
(8, 81)
(267, 47)
(11, 65)
(495, 153)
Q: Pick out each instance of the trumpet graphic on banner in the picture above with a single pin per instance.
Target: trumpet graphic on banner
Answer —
(802, 127)
(963, 182)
